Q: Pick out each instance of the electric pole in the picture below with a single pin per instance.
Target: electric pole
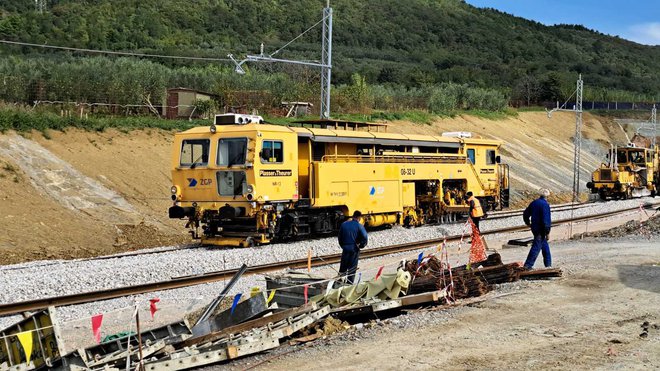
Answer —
(325, 64)
(326, 60)
(654, 122)
(650, 128)
(577, 138)
(40, 5)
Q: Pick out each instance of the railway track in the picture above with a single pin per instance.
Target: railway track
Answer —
(492, 215)
(554, 208)
(185, 281)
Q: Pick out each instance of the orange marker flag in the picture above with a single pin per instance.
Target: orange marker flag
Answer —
(309, 260)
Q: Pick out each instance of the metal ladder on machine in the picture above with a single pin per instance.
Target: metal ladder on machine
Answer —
(503, 179)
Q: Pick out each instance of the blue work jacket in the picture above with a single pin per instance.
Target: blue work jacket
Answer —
(539, 213)
(352, 235)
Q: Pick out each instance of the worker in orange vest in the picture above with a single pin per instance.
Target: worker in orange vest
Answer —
(476, 212)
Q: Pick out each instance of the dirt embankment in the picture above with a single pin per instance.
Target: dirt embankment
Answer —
(538, 149)
(80, 194)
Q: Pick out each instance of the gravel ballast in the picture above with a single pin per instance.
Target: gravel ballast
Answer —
(34, 280)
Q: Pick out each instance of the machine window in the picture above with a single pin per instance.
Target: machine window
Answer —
(272, 151)
(231, 183)
(471, 155)
(637, 157)
(195, 152)
(621, 157)
(490, 157)
(231, 151)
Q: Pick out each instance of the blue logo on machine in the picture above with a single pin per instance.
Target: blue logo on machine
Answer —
(192, 182)
(376, 191)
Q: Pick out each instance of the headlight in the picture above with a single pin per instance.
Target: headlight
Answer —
(174, 190)
(250, 188)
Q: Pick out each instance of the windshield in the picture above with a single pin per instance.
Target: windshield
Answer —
(231, 151)
(637, 156)
(194, 152)
(231, 183)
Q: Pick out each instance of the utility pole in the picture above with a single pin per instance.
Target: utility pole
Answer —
(40, 5)
(577, 138)
(654, 122)
(577, 143)
(326, 60)
(325, 64)
(650, 128)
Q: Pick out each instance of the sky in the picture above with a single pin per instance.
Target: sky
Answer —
(636, 20)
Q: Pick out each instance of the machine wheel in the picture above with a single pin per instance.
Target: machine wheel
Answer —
(407, 221)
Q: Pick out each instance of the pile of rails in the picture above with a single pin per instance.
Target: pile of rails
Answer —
(468, 281)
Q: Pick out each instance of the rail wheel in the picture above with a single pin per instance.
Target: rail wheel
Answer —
(249, 242)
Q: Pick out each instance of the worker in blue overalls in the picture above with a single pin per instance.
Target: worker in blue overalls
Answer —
(537, 216)
(352, 238)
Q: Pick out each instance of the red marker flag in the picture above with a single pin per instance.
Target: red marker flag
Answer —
(380, 270)
(97, 320)
(306, 288)
(152, 306)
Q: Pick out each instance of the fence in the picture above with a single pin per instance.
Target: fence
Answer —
(610, 106)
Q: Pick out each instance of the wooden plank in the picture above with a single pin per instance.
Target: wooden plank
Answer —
(537, 274)
(257, 322)
(423, 298)
(380, 306)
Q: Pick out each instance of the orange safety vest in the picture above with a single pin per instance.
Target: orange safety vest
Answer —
(477, 211)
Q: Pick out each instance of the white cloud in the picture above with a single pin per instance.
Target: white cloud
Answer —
(644, 33)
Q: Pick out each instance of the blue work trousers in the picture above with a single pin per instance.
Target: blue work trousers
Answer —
(540, 244)
(349, 262)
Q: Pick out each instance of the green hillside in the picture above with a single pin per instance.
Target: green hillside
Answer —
(420, 43)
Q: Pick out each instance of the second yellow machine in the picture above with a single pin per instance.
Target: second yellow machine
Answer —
(244, 182)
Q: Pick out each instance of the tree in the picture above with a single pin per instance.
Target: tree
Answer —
(527, 89)
(551, 87)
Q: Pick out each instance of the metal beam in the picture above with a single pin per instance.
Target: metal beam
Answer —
(325, 64)
(326, 59)
(577, 138)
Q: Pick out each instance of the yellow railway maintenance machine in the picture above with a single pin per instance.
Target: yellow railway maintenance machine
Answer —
(630, 172)
(245, 182)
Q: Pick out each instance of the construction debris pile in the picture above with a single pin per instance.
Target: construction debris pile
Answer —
(259, 323)
(465, 281)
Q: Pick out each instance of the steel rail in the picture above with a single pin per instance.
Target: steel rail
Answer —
(185, 281)
(554, 208)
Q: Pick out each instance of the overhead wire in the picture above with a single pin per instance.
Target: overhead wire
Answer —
(113, 52)
(299, 36)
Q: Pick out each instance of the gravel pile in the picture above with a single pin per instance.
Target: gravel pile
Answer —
(34, 280)
(648, 227)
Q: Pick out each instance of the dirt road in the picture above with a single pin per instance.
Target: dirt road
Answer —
(589, 319)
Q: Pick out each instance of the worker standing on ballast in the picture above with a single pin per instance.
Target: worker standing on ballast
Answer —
(537, 216)
(352, 238)
(476, 212)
